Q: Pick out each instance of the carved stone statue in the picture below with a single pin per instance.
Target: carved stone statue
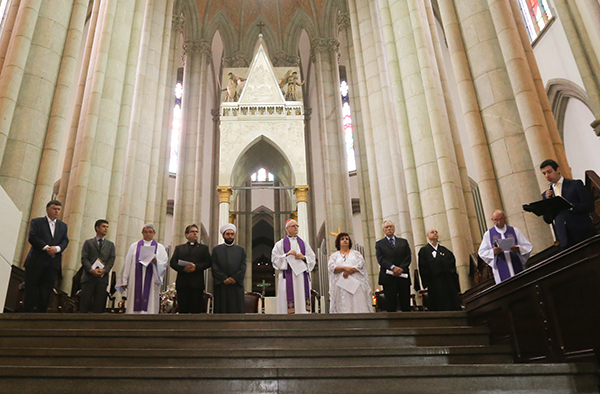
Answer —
(234, 85)
(290, 82)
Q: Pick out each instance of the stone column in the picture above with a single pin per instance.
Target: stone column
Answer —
(59, 113)
(224, 197)
(7, 28)
(27, 88)
(521, 79)
(488, 187)
(559, 148)
(324, 52)
(13, 68)
(247, 224)
(83, 74)
(301, 192)
(513, 167)
(587, 62)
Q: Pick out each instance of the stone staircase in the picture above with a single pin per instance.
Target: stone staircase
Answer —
(375, 353)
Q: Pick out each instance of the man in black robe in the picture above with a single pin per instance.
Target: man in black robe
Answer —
(228, 269)
(437, 267)
(190, 260)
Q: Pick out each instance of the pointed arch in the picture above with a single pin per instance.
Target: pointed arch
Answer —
(269, 36)
(193, 24)
(328, 23)
(224, 25)
(300, 21)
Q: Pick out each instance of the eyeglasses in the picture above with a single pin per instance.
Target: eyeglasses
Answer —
(294, 225)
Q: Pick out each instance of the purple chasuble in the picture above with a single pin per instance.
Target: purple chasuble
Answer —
(289, 277)
(142, 292)
(501, 262)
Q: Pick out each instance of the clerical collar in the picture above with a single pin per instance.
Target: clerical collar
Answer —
(434, 247)
(501, 230)
(147, 242)
(192, 243)
(294, 237)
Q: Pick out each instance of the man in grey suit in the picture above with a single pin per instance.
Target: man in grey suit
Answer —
(97, 257)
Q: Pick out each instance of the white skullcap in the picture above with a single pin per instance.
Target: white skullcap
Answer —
(228, 226)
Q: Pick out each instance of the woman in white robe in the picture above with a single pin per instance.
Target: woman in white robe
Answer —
(343, 264)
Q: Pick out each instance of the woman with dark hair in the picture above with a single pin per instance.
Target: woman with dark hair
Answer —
(348, 279)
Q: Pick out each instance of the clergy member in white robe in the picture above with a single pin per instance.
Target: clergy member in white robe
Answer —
(293, 291)
(348, 279)
(143, 282)
(508, 263)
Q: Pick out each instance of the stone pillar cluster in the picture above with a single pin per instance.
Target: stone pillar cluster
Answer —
(100, 84)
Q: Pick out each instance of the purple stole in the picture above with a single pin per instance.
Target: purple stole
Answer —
(289, 278)
(501, 262)
(140, 300)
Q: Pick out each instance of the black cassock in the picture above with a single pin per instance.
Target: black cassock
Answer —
(439, 276)
(229, 262)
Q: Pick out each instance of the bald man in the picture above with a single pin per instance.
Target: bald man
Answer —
(293, 291)
(505, 264)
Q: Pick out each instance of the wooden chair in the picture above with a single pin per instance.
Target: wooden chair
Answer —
(251, 302)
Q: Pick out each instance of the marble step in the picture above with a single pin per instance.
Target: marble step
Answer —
(381, 379)
(349, 356)
(249, 339)
(249, 321)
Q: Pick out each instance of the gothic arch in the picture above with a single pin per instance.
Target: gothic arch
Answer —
(222, 23)
(270, 38)
(299, 22)
(262, 152)
(193, 25)
(328, 22)
(559, 92)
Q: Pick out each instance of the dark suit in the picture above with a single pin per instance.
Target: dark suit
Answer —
(394, 287)
(190, 285)
(93, 289)
(576, 225)
(439, 276)
(41, 270)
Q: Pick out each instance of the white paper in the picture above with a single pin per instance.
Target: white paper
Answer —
(297, 266)
(349, 284)
(390, 272)
(506, 243)
(97, 264)
(146, 254)
(183, 263)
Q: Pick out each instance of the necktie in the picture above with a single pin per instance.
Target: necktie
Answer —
(557, 190)
(100, 242)
(392, 242)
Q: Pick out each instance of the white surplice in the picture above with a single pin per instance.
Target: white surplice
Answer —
(342, 301)
(279, 263)
(486, 251)
(127, 277)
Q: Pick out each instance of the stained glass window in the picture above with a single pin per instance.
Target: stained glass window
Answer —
(176, 129)
(537, 15)
(3, 4)
(347, 122)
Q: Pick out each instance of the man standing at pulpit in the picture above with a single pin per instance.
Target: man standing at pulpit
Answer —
(506, 261)
(142, 273)
(294, 259)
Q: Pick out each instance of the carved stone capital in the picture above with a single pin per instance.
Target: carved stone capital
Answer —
(232, 217)
(216, 114)
(284, 59)
(225, 193)
(343, 20)
(237, 60)
(294, 215)
(301, 192)
(197, 47)
(178, 23)
(323, 45)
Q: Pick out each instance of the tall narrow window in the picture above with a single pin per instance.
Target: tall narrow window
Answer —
(3, 4)
(262, 175)
(347, 120)
(176, 128)
(537, 16)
